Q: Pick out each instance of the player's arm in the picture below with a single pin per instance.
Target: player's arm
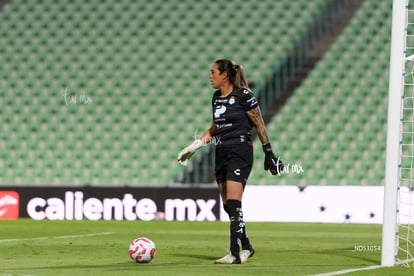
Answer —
(204, 139)
(272, 162)
(207, 136)
(256, 118)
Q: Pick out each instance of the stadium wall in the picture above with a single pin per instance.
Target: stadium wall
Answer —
(323, 204)
(118, 203)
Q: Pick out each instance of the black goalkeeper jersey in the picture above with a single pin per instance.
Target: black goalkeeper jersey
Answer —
(229, 115)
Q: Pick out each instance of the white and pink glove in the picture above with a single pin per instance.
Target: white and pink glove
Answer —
(188, 152)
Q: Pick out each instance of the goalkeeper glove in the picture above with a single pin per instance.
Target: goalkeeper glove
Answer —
(272, 162)
(188, 152)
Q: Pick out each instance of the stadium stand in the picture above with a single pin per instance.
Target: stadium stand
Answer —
(334, 125)
(106, 92)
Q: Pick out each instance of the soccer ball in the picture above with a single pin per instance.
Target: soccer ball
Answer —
(142, 250)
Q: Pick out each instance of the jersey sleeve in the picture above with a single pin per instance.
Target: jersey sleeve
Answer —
(249, 101)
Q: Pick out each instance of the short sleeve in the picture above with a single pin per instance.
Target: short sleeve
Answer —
(248, 100)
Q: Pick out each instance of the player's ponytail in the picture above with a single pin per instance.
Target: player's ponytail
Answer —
(235, 72)
(240, 80)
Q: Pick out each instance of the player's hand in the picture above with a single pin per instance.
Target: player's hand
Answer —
(188, 152)
(272, 163)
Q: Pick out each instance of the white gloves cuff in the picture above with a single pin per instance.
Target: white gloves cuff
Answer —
(196, 144)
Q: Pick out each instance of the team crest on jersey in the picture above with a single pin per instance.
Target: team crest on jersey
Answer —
(232, 100)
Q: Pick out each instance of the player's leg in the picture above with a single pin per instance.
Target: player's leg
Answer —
(247, 248)
(231, 180)
(232, 193)
(234, 197)
(220, 171)
(238, 235)
(239, 171)
(222, 190)
(238, 231)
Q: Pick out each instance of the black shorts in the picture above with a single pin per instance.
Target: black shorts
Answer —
(234, 162)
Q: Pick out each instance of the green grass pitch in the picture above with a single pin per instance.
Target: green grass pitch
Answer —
(29, 247)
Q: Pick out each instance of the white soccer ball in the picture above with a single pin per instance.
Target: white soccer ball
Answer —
(142, 250)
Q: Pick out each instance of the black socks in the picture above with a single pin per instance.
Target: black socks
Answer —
(238, 235)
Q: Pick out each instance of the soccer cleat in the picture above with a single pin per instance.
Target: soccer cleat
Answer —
(228, 259)
(246, 253)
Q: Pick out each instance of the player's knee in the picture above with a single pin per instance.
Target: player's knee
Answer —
(234, 207)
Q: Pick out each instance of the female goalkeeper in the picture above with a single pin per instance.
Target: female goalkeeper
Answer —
(235, 112)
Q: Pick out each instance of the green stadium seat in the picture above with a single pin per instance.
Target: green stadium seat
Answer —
(144, 63)
(344, 136)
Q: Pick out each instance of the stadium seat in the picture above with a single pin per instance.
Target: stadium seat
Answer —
(145, 64)
(345, 133)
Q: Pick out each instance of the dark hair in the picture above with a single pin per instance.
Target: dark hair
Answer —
(235, 72)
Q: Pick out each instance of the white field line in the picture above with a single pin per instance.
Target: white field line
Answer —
(341, 272)
(17, 275)
(57, 237)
